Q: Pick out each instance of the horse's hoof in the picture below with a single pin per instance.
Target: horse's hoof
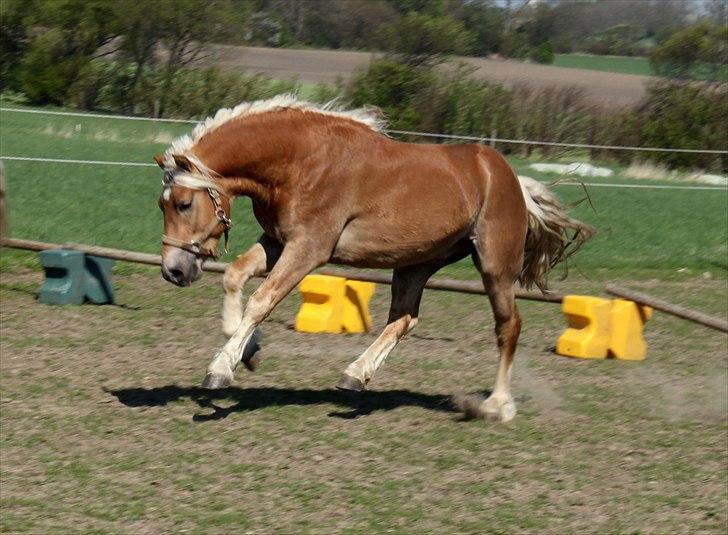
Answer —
(492, 409)
(214, 381)
(347, 382)
(252, 362)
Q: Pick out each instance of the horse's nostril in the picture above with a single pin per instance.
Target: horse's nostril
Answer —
(176, 274)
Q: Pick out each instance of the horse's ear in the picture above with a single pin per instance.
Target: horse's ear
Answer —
(159, 158)
(182, 162)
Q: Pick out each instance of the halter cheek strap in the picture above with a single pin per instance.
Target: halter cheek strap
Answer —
(195, 245)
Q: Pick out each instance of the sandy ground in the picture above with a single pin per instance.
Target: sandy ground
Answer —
(104, 427)
(314, 66)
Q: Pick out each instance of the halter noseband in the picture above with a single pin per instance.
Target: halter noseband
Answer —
(195, 245)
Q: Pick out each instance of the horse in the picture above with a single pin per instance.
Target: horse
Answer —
(327, 185)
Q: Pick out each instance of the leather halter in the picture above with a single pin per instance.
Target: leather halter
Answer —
(195, 245)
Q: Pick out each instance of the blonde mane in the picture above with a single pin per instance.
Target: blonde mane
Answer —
(367, 116)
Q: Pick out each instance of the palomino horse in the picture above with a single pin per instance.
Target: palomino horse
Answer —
(327, 186)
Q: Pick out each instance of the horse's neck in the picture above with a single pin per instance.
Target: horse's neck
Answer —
(254, 158)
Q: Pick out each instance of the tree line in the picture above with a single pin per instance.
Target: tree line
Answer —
(680, 40)
(144, 57)
(511, 28)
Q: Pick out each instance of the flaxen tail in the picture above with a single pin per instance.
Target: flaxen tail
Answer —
(553, 235)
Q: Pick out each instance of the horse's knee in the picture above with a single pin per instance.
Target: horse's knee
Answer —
(243, 268)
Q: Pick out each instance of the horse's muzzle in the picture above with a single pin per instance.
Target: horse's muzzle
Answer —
(181, 268)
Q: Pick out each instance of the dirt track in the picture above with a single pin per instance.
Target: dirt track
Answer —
(314, 66)
(105, 430)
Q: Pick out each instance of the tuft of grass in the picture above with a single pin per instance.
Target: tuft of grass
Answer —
(645, 170)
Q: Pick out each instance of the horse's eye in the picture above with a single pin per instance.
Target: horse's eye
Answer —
(184, 206)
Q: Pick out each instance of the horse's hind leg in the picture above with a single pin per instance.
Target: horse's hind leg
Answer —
(407, 286)
(499, 256)
(500, 405)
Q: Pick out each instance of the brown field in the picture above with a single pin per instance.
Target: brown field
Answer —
(327, 66)
(104, 429)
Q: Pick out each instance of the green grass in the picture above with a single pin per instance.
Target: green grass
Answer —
(642, 232)
(620, 64)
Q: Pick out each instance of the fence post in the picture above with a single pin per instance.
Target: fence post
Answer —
(3, 203)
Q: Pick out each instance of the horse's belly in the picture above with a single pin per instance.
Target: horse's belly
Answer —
(379, 244)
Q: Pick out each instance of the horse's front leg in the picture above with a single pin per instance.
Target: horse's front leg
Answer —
(256, 261)
(295, 262)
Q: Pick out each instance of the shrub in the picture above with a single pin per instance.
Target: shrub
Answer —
(543, 53)
(698, 52)
(199, 93)
(515, 45)
(619, 40)
(687, 115)
(394, 87)
(324, 93)
(428, 100)
(102, 85)
(46, 73)
(418, 38)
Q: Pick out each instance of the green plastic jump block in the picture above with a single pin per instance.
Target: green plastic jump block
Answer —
(73, 277)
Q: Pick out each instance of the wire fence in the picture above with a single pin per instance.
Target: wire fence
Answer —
(396, 132)
(481, 139)
(142, 164)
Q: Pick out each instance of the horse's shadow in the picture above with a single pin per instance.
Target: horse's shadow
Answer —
(353, 404)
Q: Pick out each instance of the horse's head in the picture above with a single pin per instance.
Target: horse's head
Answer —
(195, 212)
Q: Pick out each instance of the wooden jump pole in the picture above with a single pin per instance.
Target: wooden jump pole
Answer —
(450, 285)
(664, 306)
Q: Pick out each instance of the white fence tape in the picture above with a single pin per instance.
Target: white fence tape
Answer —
(555, 143)
(97, 115)
(481, 139)
(83, 162)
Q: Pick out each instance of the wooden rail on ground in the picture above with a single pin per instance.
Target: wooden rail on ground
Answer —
(664, 306)
(450, 285)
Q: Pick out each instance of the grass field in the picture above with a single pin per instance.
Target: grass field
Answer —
(655, 232)
(620, 64)
(104, 429)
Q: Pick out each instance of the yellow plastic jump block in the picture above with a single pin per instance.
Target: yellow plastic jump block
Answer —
(628, 320)
(334, 305)
(323, 304)
(355, 315)
(599, 328)
(588, 333)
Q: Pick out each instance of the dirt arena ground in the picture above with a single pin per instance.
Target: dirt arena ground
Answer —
(327, 66)
(104, 428)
